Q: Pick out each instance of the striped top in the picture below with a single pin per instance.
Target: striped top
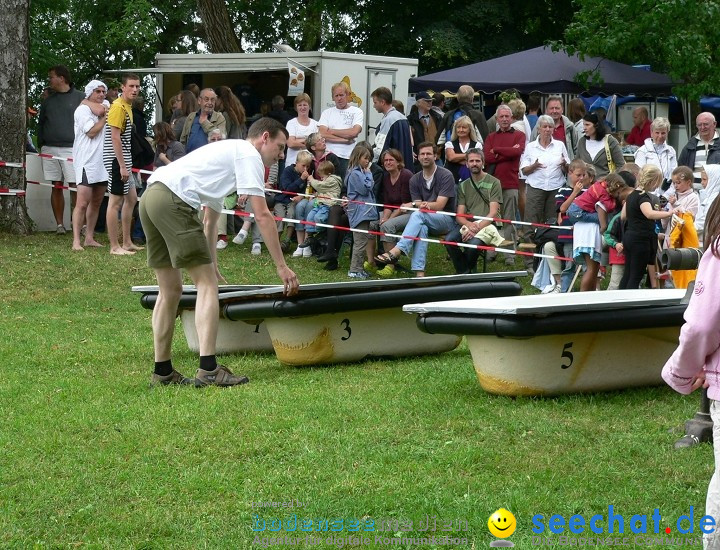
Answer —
(118, 117)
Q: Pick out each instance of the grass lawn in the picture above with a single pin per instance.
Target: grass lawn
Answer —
(93, 458)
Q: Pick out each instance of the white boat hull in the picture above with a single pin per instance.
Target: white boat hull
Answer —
(233, 336)
(572, 363)
(352, 336)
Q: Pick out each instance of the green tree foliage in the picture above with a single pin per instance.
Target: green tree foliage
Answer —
(676, 37)
(91, 36)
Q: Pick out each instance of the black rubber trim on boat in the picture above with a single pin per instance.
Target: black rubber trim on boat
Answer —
(381, 299)
(574, 322)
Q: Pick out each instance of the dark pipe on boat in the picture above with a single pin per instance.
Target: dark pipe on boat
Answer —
(379, 299)
(573, 322)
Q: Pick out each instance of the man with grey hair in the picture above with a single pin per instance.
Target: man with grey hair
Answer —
(465, 95)
(199, 125)
(703, 148)
(503, 150)
(565, 130)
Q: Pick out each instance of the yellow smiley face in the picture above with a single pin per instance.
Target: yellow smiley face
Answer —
(502, 523)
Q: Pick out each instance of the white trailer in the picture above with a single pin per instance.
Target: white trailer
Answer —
(269, 75)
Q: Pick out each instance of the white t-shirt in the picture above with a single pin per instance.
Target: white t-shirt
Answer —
(87, 152)
(297, 130)
(212, 172)
(337, 119)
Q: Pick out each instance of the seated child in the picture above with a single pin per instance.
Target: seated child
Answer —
(293, 180)
(327, 190)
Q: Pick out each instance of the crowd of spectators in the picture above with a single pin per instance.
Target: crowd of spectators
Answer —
(437, 172)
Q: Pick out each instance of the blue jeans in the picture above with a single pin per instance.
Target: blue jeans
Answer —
(302, 209)
(318, 214)
(577, 214)
(422, 224)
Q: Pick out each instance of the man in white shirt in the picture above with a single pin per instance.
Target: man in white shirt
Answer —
(341, 125)
(176, 240)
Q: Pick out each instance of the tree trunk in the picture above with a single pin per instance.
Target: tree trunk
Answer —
(14, 43)
(219, 30)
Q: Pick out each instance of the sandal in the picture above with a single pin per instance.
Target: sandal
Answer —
(387, 258)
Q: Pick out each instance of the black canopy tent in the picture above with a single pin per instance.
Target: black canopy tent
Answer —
(545, 71)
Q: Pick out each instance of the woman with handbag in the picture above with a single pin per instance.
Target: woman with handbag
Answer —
(598, 148)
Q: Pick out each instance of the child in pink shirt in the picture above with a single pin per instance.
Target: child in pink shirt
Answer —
(696, 361)
(593, 205)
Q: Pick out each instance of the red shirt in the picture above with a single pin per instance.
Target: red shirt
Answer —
(500, 150)
(559, 132)
(637, 136)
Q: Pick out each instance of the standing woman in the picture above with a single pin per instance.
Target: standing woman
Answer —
(229, 105)
(299, 128)
(696, 361)
(656, 151)
(598, 148)
(576, 112)
(90, 173)
(463, 138)
(640, 213)
(188, 104)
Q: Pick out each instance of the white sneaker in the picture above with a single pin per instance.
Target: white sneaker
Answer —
(60, 230)
(240, 237)
(549, 289)
(298, 253)
(306, 252)
(256, 249)
(556, 290)
(221, 245)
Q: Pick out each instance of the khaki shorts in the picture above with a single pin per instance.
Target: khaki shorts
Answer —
(173, 231)
(58, 170)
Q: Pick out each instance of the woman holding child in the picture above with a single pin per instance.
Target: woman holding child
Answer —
(589, 214)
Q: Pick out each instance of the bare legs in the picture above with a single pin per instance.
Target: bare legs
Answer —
(87, 207)
(589, 280)
(124, 205)
(206, 311)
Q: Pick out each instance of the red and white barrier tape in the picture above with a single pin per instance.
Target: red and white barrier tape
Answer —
(388, 206)
(242, 213)
(410, 209)
(12, 192)
(68, 159)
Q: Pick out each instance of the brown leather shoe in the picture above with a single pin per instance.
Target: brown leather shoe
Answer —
(174, 378)
(221, 376)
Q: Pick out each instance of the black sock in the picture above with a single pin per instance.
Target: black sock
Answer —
(208, 362)
(163, 368)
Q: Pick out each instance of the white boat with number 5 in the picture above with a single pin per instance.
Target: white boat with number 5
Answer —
(563, 343)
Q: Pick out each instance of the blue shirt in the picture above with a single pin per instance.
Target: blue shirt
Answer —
(197, 137)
